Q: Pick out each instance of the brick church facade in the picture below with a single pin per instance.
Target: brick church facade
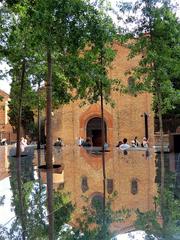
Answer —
(6, 130)
(132, 115)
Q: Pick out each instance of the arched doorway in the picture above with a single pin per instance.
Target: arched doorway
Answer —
(93, 130)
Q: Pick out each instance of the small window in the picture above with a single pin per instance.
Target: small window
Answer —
(134, 186)
(84, 184)
(110, 186)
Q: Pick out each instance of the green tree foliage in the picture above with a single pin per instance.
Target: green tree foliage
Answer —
(16, 52)
(71, 42)
(63, 209)
(94, 222)
(27, 120)
(151, 221)
(156, 38)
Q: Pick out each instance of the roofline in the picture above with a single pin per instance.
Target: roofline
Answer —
(4, 92)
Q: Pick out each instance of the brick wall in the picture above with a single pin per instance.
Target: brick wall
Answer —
(126, 119)
(6, 130)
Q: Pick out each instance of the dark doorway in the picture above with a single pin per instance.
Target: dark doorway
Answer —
(177, 143)
(94, 132)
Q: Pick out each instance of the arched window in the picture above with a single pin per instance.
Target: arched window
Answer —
(134, 186)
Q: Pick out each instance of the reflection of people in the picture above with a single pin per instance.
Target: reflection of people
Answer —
(125, 145)
(144, 142)
(58, 142)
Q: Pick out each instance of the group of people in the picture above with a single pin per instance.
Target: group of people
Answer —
(123, 145)
(88, 142)
(84, 143)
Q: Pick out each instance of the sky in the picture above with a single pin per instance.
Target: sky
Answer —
(5, 84)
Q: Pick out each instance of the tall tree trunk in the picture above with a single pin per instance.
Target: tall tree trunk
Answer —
(103, 154)
(48, 157)
(18, 150)
(103, 142)
(49, 111)
(162, 151)
(39, 119)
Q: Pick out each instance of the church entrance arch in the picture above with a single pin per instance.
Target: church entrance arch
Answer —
(93, 131)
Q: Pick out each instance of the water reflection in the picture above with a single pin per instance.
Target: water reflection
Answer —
(131, 175)
(4, 163)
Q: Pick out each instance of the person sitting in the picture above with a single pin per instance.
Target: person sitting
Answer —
(23, 144)
(80, 141)
(106, 145)
(133, 144)
(58, 142)
(4, 141)
(144, 142)
(119, 143)
(87, 143)
(137, 143)
(125, 145)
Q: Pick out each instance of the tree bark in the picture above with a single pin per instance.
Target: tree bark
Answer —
(48, 157)
(39, 119)
(103, 142)
(18, 133)
(161, 150)
(103, 154)
(49, 111)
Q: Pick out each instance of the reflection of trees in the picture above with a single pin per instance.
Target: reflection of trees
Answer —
(95, 221)
(30, 204)
(2, 198)
(151, 221)
(26, 200)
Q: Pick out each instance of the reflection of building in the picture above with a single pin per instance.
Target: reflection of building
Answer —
(6, 130)
(4, 163)
(132, 115)
(57, 172)
(131, 175)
